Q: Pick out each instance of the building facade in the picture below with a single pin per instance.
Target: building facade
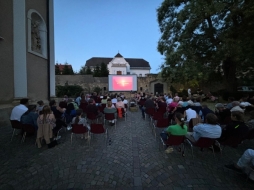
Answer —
(27, 50)
(121, 66)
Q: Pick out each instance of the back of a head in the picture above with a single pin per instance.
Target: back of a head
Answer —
(52, 102)
(24, 101)
(31, 108)
(119, 99)
(180, 118)
(40, 102)
(211, 119)
(237, 115)
(235, 103)
(109, 104)
(46, 110)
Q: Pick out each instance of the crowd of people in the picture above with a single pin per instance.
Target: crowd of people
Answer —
(67, 112)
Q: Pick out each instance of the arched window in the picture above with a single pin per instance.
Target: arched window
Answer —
(37, 34)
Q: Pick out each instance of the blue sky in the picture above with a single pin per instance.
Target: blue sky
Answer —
(101, 28)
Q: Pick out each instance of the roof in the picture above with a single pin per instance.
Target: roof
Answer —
(61, 67)
(134, 62)
(118, 55)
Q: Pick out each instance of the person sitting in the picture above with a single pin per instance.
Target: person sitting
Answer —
(47, 118)
(173, 105)
(184, 102)
(162, 105)
(69, 114)
(210, 129)
(30, 117)
(110, 108)
(92, 108)
(71, 101)
(78, 99)
(189, 114)
(197, 102)
(250, 122)
(65, 98)
(237, 128)
(222, 113)
(205, 110)
(19, 110)
(40, 106)
(125, 101)
(114, 100)
(230, 104)
(190, 102)
(178, 129)
(104, 100)
(177, 98)
(244, 164)
(149, 103)
(246, 105)
(57, 110)
(80, 120)
(119, 106)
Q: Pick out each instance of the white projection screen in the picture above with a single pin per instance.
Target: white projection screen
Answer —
(122, 83)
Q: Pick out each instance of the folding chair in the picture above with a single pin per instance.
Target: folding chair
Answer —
(175, 140)
(110, 117)
(27, 128)
(149, 112)
(98, 129)
(15, 125)
(161, 123)
(202, 142)
(157, 116)
(78, 129)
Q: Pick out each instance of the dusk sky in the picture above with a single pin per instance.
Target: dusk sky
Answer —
(100, 28)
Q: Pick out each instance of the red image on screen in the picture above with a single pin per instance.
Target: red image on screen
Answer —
(122, 83)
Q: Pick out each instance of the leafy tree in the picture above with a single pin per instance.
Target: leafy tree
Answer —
(200, 38)
(104, 72)
(89, 71)
(97, 71)
(97, 89)
(57, 70)
(67, 70)
(82, 71)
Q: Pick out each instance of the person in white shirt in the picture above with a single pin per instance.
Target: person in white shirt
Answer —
(169, 100)
(125, 101)
(19, 110)
(189, 114)
(210, 129)
(114, 100)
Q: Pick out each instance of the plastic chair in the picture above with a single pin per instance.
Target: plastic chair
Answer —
(110, 117)
(78, 129)
(161, 123)
(98, 129)
(175, 140)
(91, 116)
(83, 107)
(15, 125)
(27, 128)
(202, 142)
(157, 116)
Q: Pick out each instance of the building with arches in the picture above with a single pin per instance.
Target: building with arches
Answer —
(26, 50)
(121, 66)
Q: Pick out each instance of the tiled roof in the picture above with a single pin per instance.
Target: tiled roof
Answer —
(132, 61)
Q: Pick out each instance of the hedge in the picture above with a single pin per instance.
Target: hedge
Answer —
(69, 90)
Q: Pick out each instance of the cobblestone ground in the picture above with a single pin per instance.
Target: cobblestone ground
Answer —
(131, 161)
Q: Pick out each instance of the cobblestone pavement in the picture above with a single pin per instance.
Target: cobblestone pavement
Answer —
(131, 161)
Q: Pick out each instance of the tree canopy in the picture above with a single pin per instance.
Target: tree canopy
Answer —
(201, 39)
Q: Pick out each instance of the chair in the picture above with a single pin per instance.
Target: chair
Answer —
(91, 116)
(150, 112)
(27, 128)
(193, 122)
(124, 113)
(110, 117)
(162, 109)
(83, 107)
(157, 116)
(175, 140)
(78, 129)
(15, 125)
(161, 123)
(203, 142)
(98, 129)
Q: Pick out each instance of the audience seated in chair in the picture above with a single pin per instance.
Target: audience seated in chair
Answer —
(40, 106)
(110, 108)
(236, 129)
(30, 117)
(210, 129)
(245, 164)
(189, 114)
(173, 105)
(92, 108)
(149, 103)
(57, 110)
(178, 129)
(221, 112)
(205, 110)
(80, 120)
(19, 110)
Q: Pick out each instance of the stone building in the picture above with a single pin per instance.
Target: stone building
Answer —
(121, 66)
(26, 50)
(27, 61)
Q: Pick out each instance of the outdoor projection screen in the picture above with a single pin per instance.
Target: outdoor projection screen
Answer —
(122, 83)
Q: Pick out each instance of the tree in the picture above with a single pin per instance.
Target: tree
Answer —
(88, 71)
(200, 38)
(57, 70)
(67, 70)
(97, 71)
(82, 71)
(104, 72)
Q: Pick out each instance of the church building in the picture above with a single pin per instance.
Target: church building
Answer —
(26, 50)
(119, 65)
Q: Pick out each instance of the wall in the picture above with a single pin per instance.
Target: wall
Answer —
(37, 67)
(140, 71)
(6, 52)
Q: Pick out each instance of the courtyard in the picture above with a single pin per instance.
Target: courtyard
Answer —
(131, 159)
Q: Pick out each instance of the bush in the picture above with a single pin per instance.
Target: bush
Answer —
(97, 89)
(69, 90)
(237, 95)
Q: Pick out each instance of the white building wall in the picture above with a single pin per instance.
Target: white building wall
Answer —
(140, 72)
